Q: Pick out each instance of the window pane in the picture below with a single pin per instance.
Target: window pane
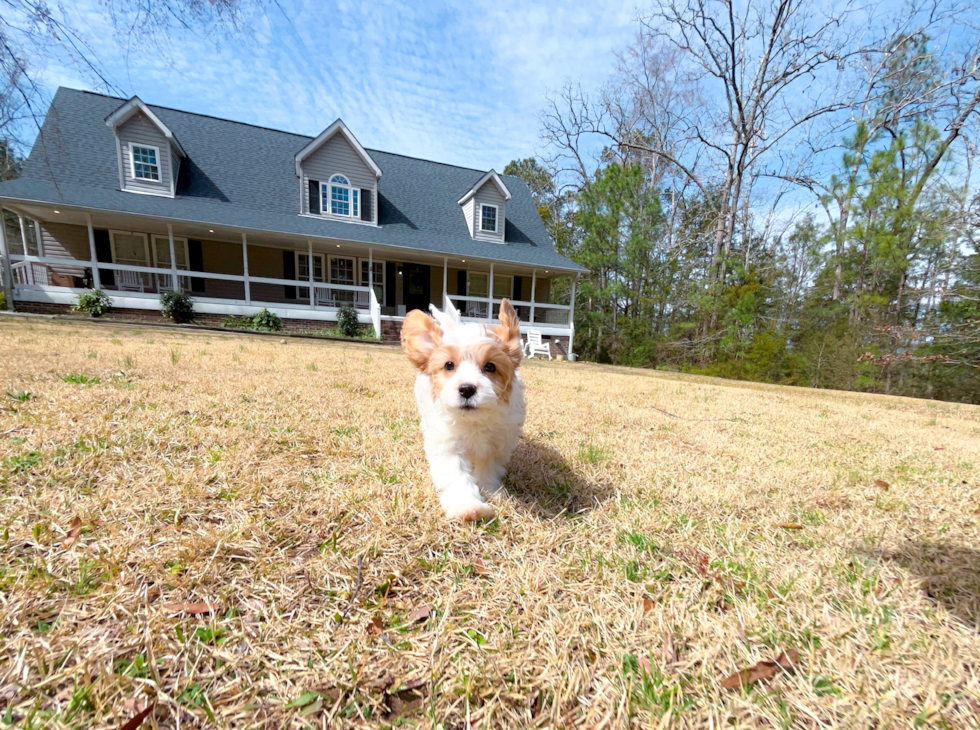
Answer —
(489, 219)
(342, 271)
(503, 286)
(145, 163)
(478, 285)
(130, 249)
(340, 180)
(339, 200)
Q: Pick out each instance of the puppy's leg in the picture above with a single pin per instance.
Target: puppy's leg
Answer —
(458, 491)
(490, 477)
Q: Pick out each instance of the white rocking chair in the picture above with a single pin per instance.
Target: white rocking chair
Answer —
(535, 346)
(129, 281)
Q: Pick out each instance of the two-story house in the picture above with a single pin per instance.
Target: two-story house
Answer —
(136, 199)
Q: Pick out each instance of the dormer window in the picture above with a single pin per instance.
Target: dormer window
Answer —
(340, 197)
(488, 218)
(146, 165)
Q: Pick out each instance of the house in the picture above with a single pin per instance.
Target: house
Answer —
(137, 199)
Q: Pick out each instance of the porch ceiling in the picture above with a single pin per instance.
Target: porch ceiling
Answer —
(156, 226)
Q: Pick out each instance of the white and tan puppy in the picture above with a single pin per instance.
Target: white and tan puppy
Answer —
(471, 400)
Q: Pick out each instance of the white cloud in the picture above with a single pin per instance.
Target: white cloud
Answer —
(457, 83)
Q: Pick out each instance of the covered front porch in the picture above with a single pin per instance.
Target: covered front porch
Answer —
(51, 255)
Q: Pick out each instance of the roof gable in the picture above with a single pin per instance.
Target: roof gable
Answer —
(491, 176)
(121, 115)
(337, 127)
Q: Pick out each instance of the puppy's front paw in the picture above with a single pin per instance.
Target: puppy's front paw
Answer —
(469, 510)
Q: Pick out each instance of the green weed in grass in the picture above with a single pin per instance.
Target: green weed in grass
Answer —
(81, 379)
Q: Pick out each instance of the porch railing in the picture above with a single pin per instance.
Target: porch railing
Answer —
(139, 282)
(475, 309)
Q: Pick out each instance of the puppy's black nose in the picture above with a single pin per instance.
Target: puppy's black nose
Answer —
(467, 391)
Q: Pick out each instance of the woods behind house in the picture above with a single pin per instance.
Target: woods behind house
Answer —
(778, 191)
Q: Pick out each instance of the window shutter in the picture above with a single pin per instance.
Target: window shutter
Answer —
(391, 274)
(518, 288)
(461, 283)
(315, 197)
(103, 253)
(289, 271)
(367, 202)
(195, 254)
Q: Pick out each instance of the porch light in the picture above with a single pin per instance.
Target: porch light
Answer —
(210, 230)
(58, 212)
(338, 245)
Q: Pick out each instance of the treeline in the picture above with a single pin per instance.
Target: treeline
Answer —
(768, 195)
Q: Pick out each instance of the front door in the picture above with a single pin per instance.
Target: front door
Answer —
(417, 287)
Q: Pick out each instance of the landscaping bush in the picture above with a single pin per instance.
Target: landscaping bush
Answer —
(3, 302)
(264, 321)
(177, 306)
(94, 303)
(347, 321)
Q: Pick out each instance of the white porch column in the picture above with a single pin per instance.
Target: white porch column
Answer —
(23, 234)
(39, 238)
(248, 291)
(445, 279)
(490, 292)
(7, 275)
(534, 286)
(370, 271)
(173, 258)
(309, 267)
(571, 317)
(96, 279)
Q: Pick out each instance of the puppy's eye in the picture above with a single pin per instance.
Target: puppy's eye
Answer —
(490, 368)
(450, 366)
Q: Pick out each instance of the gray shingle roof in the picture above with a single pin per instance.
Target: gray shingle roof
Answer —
(243, 176)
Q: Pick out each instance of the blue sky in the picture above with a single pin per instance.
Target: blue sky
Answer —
(459, 83)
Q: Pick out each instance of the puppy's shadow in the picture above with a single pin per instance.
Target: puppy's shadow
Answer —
(949, 575)
(541, 478)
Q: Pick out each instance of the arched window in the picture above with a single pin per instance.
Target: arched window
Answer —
(339, 197)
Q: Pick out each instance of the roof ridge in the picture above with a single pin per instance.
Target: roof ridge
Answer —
(268, 129)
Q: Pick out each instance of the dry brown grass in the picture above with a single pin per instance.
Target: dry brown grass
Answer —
(638, 565)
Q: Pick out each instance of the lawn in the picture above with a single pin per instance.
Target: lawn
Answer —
(234, 531)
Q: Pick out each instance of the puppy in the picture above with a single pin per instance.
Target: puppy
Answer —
(471, 400)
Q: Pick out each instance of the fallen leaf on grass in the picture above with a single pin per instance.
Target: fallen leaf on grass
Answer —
(194, 609)
(73, 531)
(648, 605)
(955, 467)
(881, 484)
(376, 626)
(419, 614)
(136, 720)
(785, 662)
(645, 664)
(790, 525)
(480, 568)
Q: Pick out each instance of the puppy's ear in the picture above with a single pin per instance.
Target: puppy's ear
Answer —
(420, 337)
(509, 331)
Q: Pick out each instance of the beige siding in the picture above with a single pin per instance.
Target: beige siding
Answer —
(219, 257)
(337, 156)
(267, 263)
(64, 241)
(140, 130)
(542, 290)
(489, 195)
(435, 285)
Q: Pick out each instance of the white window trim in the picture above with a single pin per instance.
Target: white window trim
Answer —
(132, 163)
(177, 242)
(323, 269)
(384, 277)
(496, 218)
(327, 193)
(146, 245)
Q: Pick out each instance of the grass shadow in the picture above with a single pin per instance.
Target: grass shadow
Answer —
(541, 478)
(950, 575)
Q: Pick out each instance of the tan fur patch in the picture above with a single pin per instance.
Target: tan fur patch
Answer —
(436, 367)
(504, 366)
(420, 337)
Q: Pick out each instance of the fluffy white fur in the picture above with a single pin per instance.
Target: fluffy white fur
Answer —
(468, 440)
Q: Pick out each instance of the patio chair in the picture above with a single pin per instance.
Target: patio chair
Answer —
(535, 346)
(129, 281)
